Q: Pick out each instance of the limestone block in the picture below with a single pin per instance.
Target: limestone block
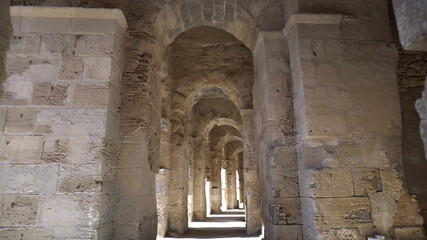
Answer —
(402, 233)
(45, 25)
(282, 232)
(284, 158)
(60, 211)
(347, 153)
(131, 155)
(95, 45)
(28, 178)
(48, 94)
(407, 213)
(355, 51)
(286, 211)
(58, 44)
(73, 185)
(11, 149)
(98, 68)
(326, 183)
(16, 93)
(383, 153)
(26, 44)
(19, 211)
(55, 150)
(34, 68)
(311, 49)
(384, 208)
(71, 68)
(343, 234)
(20, 120)
(391, 182)
(366, 181)
(344, 212)
(91, 25)
(316, 31)
(74, 122)
(90, 95)
(26, 233)
(326, 124)
(285, 183)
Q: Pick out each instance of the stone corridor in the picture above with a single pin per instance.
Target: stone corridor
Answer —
(213, 119)
(227, 225)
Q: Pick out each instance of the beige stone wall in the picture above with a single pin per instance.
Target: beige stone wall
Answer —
(275, 139)
(349, 131)
(60, 116)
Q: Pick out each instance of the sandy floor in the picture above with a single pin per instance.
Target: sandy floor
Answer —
(229, 225)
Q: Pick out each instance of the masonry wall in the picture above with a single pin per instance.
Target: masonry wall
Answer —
(59, 123)
(349, 132)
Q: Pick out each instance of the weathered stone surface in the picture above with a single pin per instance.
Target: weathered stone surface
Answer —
(326, 183)
(344, 212)
(25, 233)
(71, 185)
(20, 120)
(19, 210)
(95, 45)
(71, 68)
(366, 181)
(61, 44)
(27, 44)
(49, 94)
(11, 146)
(30, 179)
(90, 95)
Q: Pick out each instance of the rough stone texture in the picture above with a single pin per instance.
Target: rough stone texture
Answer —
(356, 152)
(275, 138)
(61, 185)
(342, 94)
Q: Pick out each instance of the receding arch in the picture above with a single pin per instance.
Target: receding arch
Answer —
(176, 18)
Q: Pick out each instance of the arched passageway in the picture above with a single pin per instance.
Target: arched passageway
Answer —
(207, 87)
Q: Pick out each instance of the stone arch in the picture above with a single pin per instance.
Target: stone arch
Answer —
(176, 18)
(221, 122)
(227, 92)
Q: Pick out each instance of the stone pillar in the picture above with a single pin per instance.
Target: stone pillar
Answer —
(178, 183)
(231, 184)
(275, 138)
(59, 123)
(162, 179)
(199, 194)
(250, 168)
(216, 187)
(349, 131)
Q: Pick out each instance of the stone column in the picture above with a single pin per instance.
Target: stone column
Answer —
(275, 138)
(199, 194)
(349, 131)
(162, 178)
(250, 168)
(178, 182)
(231, 183)
(216, 183)
(59, 123)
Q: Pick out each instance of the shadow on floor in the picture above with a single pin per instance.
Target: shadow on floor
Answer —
(228, 225)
